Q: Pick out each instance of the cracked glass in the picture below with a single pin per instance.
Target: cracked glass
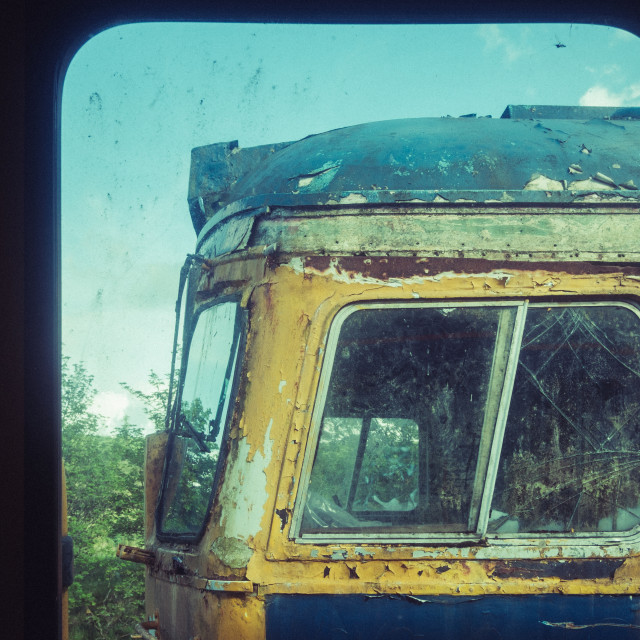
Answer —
(480, 419)
(571, 453)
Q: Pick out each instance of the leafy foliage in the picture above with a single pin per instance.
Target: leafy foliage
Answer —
(189, 488)
(105, 498)
(154, 401)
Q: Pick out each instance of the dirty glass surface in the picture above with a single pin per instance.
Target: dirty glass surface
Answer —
(571, 453)
(403, 418)
(424, 408)
(201, 419)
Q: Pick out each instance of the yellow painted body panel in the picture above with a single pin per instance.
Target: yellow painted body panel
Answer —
(291, 303)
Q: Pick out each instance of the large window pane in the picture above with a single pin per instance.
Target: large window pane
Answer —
(426, 406)
(405, 416)
(201, 419)
(571, 452)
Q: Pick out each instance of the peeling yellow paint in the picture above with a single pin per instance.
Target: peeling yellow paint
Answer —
(462, 579)
(629, 571)
(291, 301)
(241, 617)
(328, 290)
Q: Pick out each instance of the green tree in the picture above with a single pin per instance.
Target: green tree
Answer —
(105, 507)
(155, 401)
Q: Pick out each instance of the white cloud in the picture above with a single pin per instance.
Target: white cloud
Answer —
(494, 38)
(605, 70)
(112, 405)
(599, 96)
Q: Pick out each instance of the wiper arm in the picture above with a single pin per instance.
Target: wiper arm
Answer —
(197, 436)
(214, 428)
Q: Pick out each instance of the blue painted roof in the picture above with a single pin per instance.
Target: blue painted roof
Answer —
(401, 160)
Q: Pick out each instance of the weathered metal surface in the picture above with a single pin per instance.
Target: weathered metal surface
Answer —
(484, 618)
(564, 570)
(398, 203)
(135, 554)
(388, 267)
(213, 168)
(236, 586)
(426, 209)
(155, 450)
(421, 160)
(521, 236)
(292, 300)
(186, 613)
(549, 233)
(555, 112)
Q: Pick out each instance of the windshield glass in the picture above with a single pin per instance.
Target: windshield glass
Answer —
(200, 419)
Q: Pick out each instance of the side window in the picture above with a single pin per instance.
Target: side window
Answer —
(471, 419)
(571, 453)
(200, 420)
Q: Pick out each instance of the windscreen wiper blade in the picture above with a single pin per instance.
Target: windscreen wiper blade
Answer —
(197, 436)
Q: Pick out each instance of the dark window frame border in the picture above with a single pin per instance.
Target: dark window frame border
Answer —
(43, 44)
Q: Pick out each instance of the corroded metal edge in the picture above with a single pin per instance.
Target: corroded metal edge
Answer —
(403, 160)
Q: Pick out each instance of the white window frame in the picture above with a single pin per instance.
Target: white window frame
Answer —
(618, 543)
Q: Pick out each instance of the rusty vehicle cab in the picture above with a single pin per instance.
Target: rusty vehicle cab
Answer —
(409, 402)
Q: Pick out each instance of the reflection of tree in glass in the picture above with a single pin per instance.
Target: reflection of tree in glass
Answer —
(389, 473)
(194, 470)
(405, 381)
(198, 416)
(201, 417)
(335, 458)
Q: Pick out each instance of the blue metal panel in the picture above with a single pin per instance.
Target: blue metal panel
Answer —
(398, 160)
(556, 112)
(542, 617)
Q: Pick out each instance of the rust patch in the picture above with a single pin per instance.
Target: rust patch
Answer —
(268, 298)
(135, 554)
(322, 263)
(219, 288)
(591, 569)
(284, 517)
(353, 574)
(384, 268)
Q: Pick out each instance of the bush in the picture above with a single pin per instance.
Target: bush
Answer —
(105, 502)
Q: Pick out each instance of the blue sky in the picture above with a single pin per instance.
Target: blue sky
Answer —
(138, 98)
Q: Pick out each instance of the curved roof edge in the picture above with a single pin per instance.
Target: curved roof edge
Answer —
(428, 160)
